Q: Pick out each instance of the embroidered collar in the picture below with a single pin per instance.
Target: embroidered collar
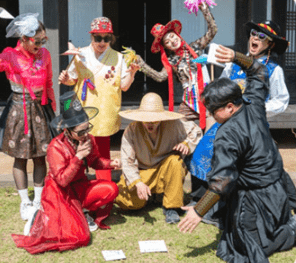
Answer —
(26, 53)
(102, 55)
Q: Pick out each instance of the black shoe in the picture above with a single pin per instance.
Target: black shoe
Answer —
(171, 216)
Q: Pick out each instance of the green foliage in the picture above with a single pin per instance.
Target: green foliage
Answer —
(127, 228)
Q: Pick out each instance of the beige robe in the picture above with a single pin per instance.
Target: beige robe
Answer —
(139, 152)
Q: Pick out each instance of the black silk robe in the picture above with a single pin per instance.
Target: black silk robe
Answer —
(247, 171)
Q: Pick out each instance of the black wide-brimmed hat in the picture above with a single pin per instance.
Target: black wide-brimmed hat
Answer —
(74, 116)
(271, 29)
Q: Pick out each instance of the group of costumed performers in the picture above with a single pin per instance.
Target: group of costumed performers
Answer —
(265, 44)
(99, 74)
(236, 164)
(25, 133)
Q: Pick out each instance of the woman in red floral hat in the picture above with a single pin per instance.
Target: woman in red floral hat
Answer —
(176, 56)
(99, 74)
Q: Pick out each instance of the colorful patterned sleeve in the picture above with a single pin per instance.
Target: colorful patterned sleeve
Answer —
(202, 42)
(158, 76)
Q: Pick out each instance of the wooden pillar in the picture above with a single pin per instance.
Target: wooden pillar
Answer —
(55, 13)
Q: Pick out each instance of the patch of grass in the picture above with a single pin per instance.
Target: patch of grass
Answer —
(127, 228)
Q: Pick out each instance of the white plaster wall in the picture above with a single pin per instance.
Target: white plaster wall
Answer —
(195, 26)
(81, 13)
(31, 6)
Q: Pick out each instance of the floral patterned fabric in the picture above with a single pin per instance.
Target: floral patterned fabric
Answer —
(199, 163)
(15, 142)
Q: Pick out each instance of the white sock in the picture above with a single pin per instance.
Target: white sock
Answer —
(24, 195)
(37, 194)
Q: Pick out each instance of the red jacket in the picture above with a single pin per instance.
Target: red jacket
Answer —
(61, 224)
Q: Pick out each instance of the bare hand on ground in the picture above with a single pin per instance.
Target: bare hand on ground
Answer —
(190, 221)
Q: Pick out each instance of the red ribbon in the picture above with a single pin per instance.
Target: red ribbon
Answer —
(202, 108)
(169, 70)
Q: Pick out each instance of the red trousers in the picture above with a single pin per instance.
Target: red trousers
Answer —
(103, 144)
(95, 194)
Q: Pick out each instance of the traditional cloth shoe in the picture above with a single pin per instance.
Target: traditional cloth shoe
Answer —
(24, 210)
(91, 224)
(171, 216)
(32, 211)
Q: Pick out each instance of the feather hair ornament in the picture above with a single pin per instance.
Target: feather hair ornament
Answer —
(192, 5)
(129, 55)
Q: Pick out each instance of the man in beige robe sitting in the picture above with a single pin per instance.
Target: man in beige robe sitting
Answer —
(152, 152)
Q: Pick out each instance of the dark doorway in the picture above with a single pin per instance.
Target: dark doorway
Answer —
(132, 21)
(284, 13)
(12, 7)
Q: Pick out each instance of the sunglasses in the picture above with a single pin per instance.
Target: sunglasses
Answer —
(39, 42)
(82, 132)
(106, 39)
(260, 35)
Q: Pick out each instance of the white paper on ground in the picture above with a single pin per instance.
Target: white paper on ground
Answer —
(113, 255)
(211, 56)
(152, 246)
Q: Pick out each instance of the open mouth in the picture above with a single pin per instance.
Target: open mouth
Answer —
(254, 45)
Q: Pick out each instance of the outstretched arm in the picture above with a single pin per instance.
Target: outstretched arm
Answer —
(158, 76)
(257, 75)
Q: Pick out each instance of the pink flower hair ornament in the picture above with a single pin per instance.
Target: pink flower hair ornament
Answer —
(193, 5)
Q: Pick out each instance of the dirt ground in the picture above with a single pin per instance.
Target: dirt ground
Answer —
(286, 142)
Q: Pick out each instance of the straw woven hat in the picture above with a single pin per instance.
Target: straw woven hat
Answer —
(151, 109)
